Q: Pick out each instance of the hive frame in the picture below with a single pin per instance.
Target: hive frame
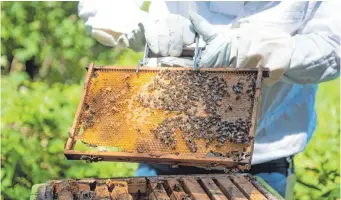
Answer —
(94, 156)
(208, 186)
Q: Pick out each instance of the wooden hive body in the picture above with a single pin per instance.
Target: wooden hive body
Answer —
(198, 187)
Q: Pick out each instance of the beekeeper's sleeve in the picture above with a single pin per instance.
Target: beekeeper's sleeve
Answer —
(311, 55)
(316, 53)
(107, 20)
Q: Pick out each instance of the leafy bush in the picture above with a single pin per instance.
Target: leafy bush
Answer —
(35, 120)
(318, 167)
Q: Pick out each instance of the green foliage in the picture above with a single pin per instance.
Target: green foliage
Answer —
(54, 38)
(35, 120)
(318, 167)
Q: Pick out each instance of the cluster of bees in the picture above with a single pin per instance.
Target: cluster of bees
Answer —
(181, 92)
(89, 117)
(239, 88)
(236, 156)
(210, 129)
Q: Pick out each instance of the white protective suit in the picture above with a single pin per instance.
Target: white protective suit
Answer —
(287, 117)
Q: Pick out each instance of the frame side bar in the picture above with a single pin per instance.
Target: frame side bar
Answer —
(71, 140)
(256, 106)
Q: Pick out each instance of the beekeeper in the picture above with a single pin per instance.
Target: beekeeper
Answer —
(298, 41)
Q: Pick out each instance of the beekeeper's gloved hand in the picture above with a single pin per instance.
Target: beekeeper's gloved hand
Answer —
(217, 49)
(251, 46)
(165, 35)
(127, 26)
(168, 34)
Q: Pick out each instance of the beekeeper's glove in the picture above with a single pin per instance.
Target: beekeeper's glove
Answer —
(248, 47)
(124, 25)
(167, 35)
(217, 49)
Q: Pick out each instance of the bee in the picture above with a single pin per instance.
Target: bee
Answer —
(114, 109)
(95, 75)
(86, 106)
(249, 91)
(112, 98)
(126, 76)
(191, 144)
(159, 186)
(127, 85)
(227, 155)
(177, 188)
(235, 170)
(139, 150)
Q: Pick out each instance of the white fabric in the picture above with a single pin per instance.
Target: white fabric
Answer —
(272, 49)
(173, 33)
(287, 116)
(267, 48)
(107, 20)
(217, 49)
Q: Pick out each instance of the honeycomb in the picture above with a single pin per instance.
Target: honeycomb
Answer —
(204, 113)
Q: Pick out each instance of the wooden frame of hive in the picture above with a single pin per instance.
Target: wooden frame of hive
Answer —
(171, 159)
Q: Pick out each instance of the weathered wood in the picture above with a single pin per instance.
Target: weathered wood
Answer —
(247, 188)
(180, 187)
(75, 128)
(45, 191)
(129, 68)
(229, 189)
(212, 189)
(86, 195)
(145, 157)
(266, 193)
(83, 186)
(119, 190)
(137, 185)
(192, 187)
(65, 195)
(256, 107)
(174, 189)
(157, 191)
(102, 191)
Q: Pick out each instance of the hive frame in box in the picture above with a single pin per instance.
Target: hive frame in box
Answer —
(93, 156)
(176, 187)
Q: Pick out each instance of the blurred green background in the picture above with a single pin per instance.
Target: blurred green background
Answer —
(44, 48)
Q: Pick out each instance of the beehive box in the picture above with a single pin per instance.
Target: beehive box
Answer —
(173, 116)
(198, 187)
